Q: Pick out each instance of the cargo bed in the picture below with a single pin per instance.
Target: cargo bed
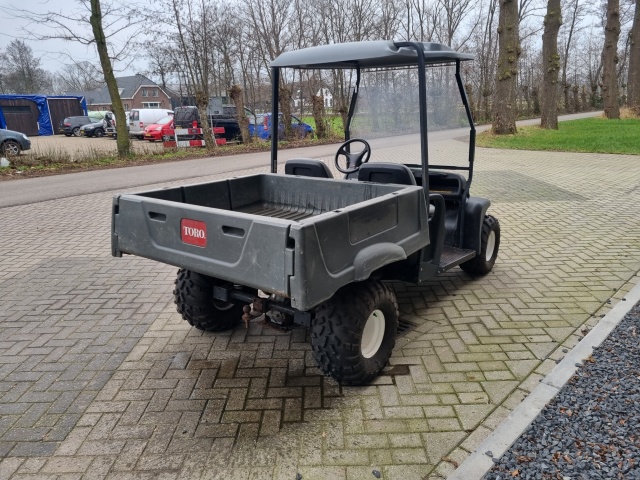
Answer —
(300, 237)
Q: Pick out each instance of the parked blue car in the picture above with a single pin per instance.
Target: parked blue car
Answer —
(260, 126)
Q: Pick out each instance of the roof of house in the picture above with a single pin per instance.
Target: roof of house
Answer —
(128, 86)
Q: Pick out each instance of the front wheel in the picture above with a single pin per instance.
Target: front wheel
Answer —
(10, 148)
(354, 332)
(489, 246)
(194, 300)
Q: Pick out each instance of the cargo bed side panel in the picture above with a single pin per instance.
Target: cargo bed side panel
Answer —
(240, 248)
(350, 244)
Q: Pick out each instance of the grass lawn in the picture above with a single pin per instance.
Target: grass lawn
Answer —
(595, 135)
(335, 121)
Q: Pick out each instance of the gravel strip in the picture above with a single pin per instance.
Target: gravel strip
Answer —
(591, 429)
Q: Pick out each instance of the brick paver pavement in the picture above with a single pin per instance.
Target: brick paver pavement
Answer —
(101, 378)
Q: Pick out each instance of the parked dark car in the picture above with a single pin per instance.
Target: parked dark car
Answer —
(71, 125)
(12, 143)
(184, 117)
(94, 129)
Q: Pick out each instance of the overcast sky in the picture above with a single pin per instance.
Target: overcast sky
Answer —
(52, 53)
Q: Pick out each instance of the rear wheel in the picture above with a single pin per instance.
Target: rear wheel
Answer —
(76, 132)
(489, 246)
(353, 333)
(98, 132)
(194, 300)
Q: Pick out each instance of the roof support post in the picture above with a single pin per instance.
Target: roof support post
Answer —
(472, 133)
(275, 79)
(352, 106)
(422, 95)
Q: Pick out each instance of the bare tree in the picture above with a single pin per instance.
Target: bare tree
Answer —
(3, 72)
(486, 55)
(610, 59)
(633, 84)
(123, 144)
(270, 21)
(422, 11)
(235, 92)
(195, 45)
(550, 65)
(454, 12)
(95, 22)
(574, 7)
(504, 100)
(23, 73)
(80, 76)
(162, 62)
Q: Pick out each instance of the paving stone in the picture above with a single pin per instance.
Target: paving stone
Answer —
(95, 360)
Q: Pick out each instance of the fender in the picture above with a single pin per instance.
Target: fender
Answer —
(474, 211)
(373, 257)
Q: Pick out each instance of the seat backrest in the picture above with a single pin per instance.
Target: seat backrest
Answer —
(307, 167)
(386, 173)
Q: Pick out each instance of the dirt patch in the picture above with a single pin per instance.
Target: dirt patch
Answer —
(75, 148)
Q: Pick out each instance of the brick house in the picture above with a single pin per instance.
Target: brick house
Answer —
(136, 91)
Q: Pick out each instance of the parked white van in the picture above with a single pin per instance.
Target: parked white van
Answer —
(139, 118)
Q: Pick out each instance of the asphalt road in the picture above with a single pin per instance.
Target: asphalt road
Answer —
(33, 190)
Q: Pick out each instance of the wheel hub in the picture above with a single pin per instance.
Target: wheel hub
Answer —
(491, 245)
(372, 334)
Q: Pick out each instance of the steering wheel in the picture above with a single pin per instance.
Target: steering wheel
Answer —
(354, 159)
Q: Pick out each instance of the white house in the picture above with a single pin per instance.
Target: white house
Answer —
(326, 95)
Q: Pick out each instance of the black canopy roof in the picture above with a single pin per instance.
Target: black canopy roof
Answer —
(371, 54)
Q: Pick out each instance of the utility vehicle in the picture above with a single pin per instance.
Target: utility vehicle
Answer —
(314, 250)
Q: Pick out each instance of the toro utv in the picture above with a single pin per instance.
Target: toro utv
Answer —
(310, 249)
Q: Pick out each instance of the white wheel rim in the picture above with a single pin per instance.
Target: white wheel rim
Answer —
(491, 245)
(372, 334)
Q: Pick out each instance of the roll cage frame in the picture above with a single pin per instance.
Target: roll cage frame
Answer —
(446, 56)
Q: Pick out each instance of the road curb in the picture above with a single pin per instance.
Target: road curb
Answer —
(500, 440)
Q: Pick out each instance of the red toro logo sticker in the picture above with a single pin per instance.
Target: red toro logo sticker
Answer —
(193, 232)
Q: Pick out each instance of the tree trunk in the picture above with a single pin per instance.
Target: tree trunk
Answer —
(610, 59)
(123, 143)
(317, 105)
(551, 65)
(633, 88)
(576, 98)
(237, 96)
(535, 97)
(285, 108)
(565, 90)
(472, 103)
(202, 102)
(504, 100)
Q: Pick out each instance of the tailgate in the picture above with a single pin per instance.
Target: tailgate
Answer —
(238, 247)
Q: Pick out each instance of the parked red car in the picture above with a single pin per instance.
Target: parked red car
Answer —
(161, 130)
